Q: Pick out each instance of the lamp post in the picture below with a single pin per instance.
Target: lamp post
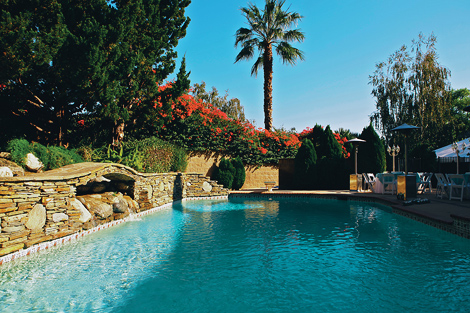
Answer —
(393, 151)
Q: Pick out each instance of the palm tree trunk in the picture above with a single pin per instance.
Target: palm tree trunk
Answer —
(268, 87)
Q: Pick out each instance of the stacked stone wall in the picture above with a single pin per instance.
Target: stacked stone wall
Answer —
(39, 208)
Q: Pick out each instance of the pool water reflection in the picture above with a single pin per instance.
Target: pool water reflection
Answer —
(287, 255)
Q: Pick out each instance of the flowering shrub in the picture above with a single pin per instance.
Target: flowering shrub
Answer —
(199, 126)
(342, 141)
(307, 132)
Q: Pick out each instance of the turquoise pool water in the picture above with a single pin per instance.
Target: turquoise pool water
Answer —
(295, 255)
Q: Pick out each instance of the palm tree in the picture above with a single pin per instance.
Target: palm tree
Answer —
(269, 28)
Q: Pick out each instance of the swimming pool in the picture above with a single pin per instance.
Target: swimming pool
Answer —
(286, 255)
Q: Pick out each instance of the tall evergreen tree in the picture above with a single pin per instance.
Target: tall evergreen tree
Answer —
(146, 33)
(305, 166)
(371, 154)
(63, 57)
(28, 96)
(269, 28)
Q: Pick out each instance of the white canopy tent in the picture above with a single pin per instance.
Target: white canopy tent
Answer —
(447, 152)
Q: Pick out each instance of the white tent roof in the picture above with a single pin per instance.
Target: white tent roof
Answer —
(447, 152)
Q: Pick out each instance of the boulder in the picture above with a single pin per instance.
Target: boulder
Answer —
(206, 186)
(116, 200)
(59, 217)
(120, 205)
(15, 168)
(85, 215)
(100, 209)
(131, 203)
(32, 163)
(6, 172)
(36, 217)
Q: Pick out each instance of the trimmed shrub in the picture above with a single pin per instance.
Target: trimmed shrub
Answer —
(305, 165)
(371, 154)
(240, 175)
(225, 173)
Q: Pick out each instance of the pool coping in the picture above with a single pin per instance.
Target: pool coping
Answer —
(76, 236)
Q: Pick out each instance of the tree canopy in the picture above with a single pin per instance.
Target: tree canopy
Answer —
(460, 124)
(269, 28)
(62, 59)
(412, 87)
(231, 107)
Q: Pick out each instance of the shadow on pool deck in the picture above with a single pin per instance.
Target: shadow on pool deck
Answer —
(441, 211)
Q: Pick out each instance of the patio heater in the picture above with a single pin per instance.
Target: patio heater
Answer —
(355, 181)
(406, 184)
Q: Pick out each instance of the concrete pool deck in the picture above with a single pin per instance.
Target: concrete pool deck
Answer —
(450, 215)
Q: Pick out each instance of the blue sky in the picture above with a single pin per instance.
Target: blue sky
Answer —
(344, 41)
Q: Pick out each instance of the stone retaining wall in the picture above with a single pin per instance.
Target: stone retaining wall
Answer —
(205, 163)
(40, 207)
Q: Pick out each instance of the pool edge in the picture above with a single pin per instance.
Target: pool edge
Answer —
(76, 236)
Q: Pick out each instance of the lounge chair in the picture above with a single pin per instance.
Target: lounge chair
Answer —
(425, 182)
(457, 182)
(443, 185)
(369, 180)
(389, 180)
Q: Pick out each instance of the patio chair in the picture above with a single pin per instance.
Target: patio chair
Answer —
(425, 182)
(443, 185)
(457, 182)
(369, 180)
(389, 183)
